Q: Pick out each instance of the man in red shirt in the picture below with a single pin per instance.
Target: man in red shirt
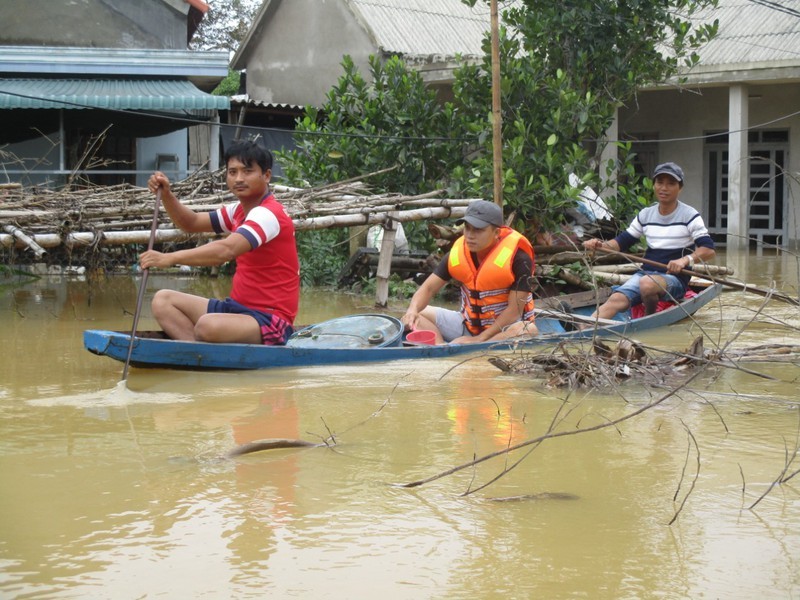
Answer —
(266, 286)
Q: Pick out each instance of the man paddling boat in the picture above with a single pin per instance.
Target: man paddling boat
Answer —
(266, 286)
(676, 237)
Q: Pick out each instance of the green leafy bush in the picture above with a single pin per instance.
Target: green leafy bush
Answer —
(322, 255)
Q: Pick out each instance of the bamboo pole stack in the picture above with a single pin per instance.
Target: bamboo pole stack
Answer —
(40, 218)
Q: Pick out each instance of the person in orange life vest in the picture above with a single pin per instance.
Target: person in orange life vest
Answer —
(266, 286)
(494, 265)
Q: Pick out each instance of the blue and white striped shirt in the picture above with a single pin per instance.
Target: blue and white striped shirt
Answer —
(668, 237)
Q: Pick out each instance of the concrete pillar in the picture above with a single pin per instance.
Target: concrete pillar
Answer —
(213, 144)
(738, 168)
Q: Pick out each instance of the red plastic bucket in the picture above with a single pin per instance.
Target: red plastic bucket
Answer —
(422, 336)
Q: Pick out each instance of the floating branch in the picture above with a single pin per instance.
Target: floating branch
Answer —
(602, 365)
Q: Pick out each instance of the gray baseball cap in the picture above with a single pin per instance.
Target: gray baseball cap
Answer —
(669, 168)
(482, 213)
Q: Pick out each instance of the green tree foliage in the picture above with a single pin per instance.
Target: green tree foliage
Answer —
(566, 66)
(223, 28)
(369, 125)
(228, 86)
(322, 256)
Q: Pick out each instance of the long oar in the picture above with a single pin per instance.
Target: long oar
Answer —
(746, 287)
(142, 286)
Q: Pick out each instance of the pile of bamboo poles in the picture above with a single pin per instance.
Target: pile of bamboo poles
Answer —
(39, 218)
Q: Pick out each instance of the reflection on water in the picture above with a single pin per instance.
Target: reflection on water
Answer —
(114, 490)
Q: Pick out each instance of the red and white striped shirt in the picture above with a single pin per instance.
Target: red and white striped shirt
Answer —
(267, 277)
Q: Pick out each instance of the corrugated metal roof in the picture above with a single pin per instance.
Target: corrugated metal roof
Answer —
(750, 31)
(425, 27)
(246, 99)
(754, 35)
(753, 32)
(107, 94)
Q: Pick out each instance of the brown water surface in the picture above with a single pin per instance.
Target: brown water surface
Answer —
(115, 491)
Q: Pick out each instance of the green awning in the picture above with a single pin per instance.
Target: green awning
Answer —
(113, 94)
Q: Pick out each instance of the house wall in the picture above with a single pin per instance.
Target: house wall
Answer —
(93, 24)
(139, 29)
(681, 118)
(293, 52)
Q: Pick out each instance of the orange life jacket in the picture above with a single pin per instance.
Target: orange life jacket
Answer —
(485, 288)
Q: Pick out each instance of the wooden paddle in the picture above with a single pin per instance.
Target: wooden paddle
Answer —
(746, 287)
(143, 285)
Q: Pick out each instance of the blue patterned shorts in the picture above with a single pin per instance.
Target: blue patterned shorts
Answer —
(275, 331)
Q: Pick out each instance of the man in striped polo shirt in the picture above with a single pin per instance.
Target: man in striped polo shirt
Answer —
(676, 237)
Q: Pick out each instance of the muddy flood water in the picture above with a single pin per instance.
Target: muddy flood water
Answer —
(124, 491)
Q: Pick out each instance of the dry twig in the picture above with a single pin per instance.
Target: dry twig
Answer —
(692, 442)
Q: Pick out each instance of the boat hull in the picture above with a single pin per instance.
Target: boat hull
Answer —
(173, 354)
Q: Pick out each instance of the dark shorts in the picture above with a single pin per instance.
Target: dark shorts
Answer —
(275, 331)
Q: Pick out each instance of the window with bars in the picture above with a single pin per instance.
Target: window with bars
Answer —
(768, 152)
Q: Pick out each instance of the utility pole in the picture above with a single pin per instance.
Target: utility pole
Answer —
(497, 118)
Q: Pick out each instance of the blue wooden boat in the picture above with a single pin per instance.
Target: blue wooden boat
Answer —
(374, 338)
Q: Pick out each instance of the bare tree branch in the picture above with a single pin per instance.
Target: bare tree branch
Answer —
(692, 441)
(552, 435)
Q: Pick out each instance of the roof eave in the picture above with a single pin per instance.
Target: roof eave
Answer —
(205, 69)
(720, 75)
(198, 4)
